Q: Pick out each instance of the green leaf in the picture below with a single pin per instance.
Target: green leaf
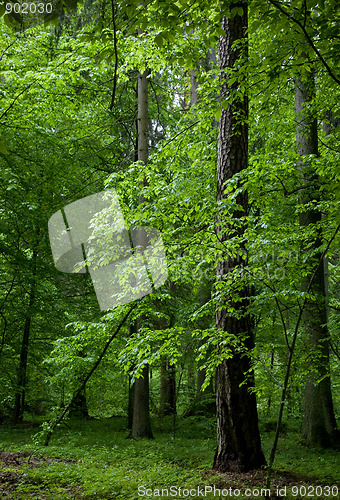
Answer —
(225, 103)
(221, 32)
(3, 148)
(218, 114)
(11, 20)
(159, 40)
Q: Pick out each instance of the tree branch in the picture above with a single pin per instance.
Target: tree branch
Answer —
(310, 41)
(116, 55)
(82, 386)
(290, 359)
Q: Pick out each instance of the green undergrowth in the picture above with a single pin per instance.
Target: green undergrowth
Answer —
(97, 461)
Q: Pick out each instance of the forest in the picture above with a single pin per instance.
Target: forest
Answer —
(169, 247)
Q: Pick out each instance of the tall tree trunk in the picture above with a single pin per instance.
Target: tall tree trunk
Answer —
(203, 323)
(238, 437)
(168, 389)
(131, 396)
(143, 119)
(319, 426)
(191, 392)
(141, 426)
(22, 370)
(130, 402)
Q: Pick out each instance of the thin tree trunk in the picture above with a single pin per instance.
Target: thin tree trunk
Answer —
(191, 381)
(319, 426)
(269, 402)
(168, 389)
(238, 437)
(290, 359)
(203, 323)
(130, 402)
(22, 371)
(143, 118)
(66, 409)
(131, 388)
(141, 426)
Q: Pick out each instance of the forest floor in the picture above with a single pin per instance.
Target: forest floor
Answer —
(93, 459)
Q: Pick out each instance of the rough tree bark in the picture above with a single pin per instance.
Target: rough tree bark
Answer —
(319, 426)
(238, 437)
(141, 426)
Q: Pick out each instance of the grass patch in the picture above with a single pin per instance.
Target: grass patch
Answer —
(93, 459)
